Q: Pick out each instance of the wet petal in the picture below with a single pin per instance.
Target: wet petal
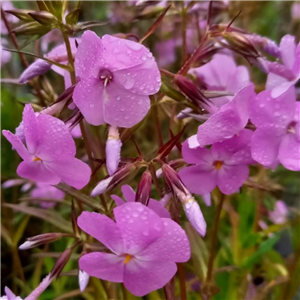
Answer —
(143, 277)
(280, 110)
(103, 229)
(228, 120)
(140, 226)
(17, 145)
(196, 155)
(104, 266)
(72, 171)
(118, 200)
(197, 180)
(231, 178)
(157, 207)
(287, 50)
(128, 193)
(289, 153)
(88, 54)
(36, 171)
(55, 139)
(37, 68)
(123, 108)
(113, 150)
(30, 129)
(265, 144)
(276, 81)
(88, 97)
(239, 79)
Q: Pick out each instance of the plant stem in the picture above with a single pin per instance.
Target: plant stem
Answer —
(183, 32)
(214, 239)
(181, 275)
(156, 120)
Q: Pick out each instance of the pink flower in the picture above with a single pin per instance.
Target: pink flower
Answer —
(227, 121)
(117, 75)
(229, 77)
(224, 165)
(282, 77)
(277, 137)
(280, 213)
(48, 192)
(144, 247)
(50, 153)
(113, 150)
(129, 196)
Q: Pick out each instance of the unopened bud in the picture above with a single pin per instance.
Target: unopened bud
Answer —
(40, 289)
(41, 239)
(43, 17)
(31, 28)
(207, 199)
(192, 92)
(165, 199)
(144, 189)
(21, 14)
(113, 150)
(101, 187)
(12, 182)
(61, 262)
(39, 67)
(83, 280)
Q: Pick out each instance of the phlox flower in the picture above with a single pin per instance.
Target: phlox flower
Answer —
(227, 121)
(144, 246)
(116, 77)
(224, 165)
(280, 213)
(129, 196)
(282, 76)
(222, 74)
(49, 155)
(277, 134)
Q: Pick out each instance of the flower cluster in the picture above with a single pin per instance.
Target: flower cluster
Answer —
(111, 84)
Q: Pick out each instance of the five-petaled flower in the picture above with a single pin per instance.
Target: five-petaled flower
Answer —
(145, 247)
(116, 78)
(49, 155)
(224, 165)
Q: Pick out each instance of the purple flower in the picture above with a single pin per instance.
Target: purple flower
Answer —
(117, 75)
(129, 196)
(280, 213)
(50, 153)
(282, 77)
(277, 137)
(144, 247)
(229, 120)
(229, 77)
(224, 165)
(113, 150)
(48, 192)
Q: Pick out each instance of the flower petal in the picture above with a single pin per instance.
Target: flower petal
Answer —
(88, 54)
(157, 207)
(196, 155)
(88, 97)
(128, 193)
(123, 108)
(289, 153)
(231, 178)
(266, 109)
(143, 277)
(265, 144)
(17, 145)
(228, 120)
(118, 200)
(197, 180)
(72, 171)
(287, 50)
(103, 229)
(35, 170)
(140, 226)
(104, 266)
(30, 129)
(173, 245)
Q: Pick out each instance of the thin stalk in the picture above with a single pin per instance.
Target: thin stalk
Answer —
(157, 123)
(183, 32)
(181, 275)
(214, 239)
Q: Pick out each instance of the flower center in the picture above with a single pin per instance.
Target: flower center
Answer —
(218, 164)
(106, 76)
(36, 159)
(128, 257)
(291, 127)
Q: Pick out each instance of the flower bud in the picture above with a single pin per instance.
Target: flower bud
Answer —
(207, 199)
(280, 70)
(144, 189)
(39, 67)
(21, 14)
(190, 206)
(31, 28)
(41, 239)
(12, 182)
(43, 17)
(61, 262)
(113, 150)
(101, 187)
(40, 289)
(165, 199)
(83, 280)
